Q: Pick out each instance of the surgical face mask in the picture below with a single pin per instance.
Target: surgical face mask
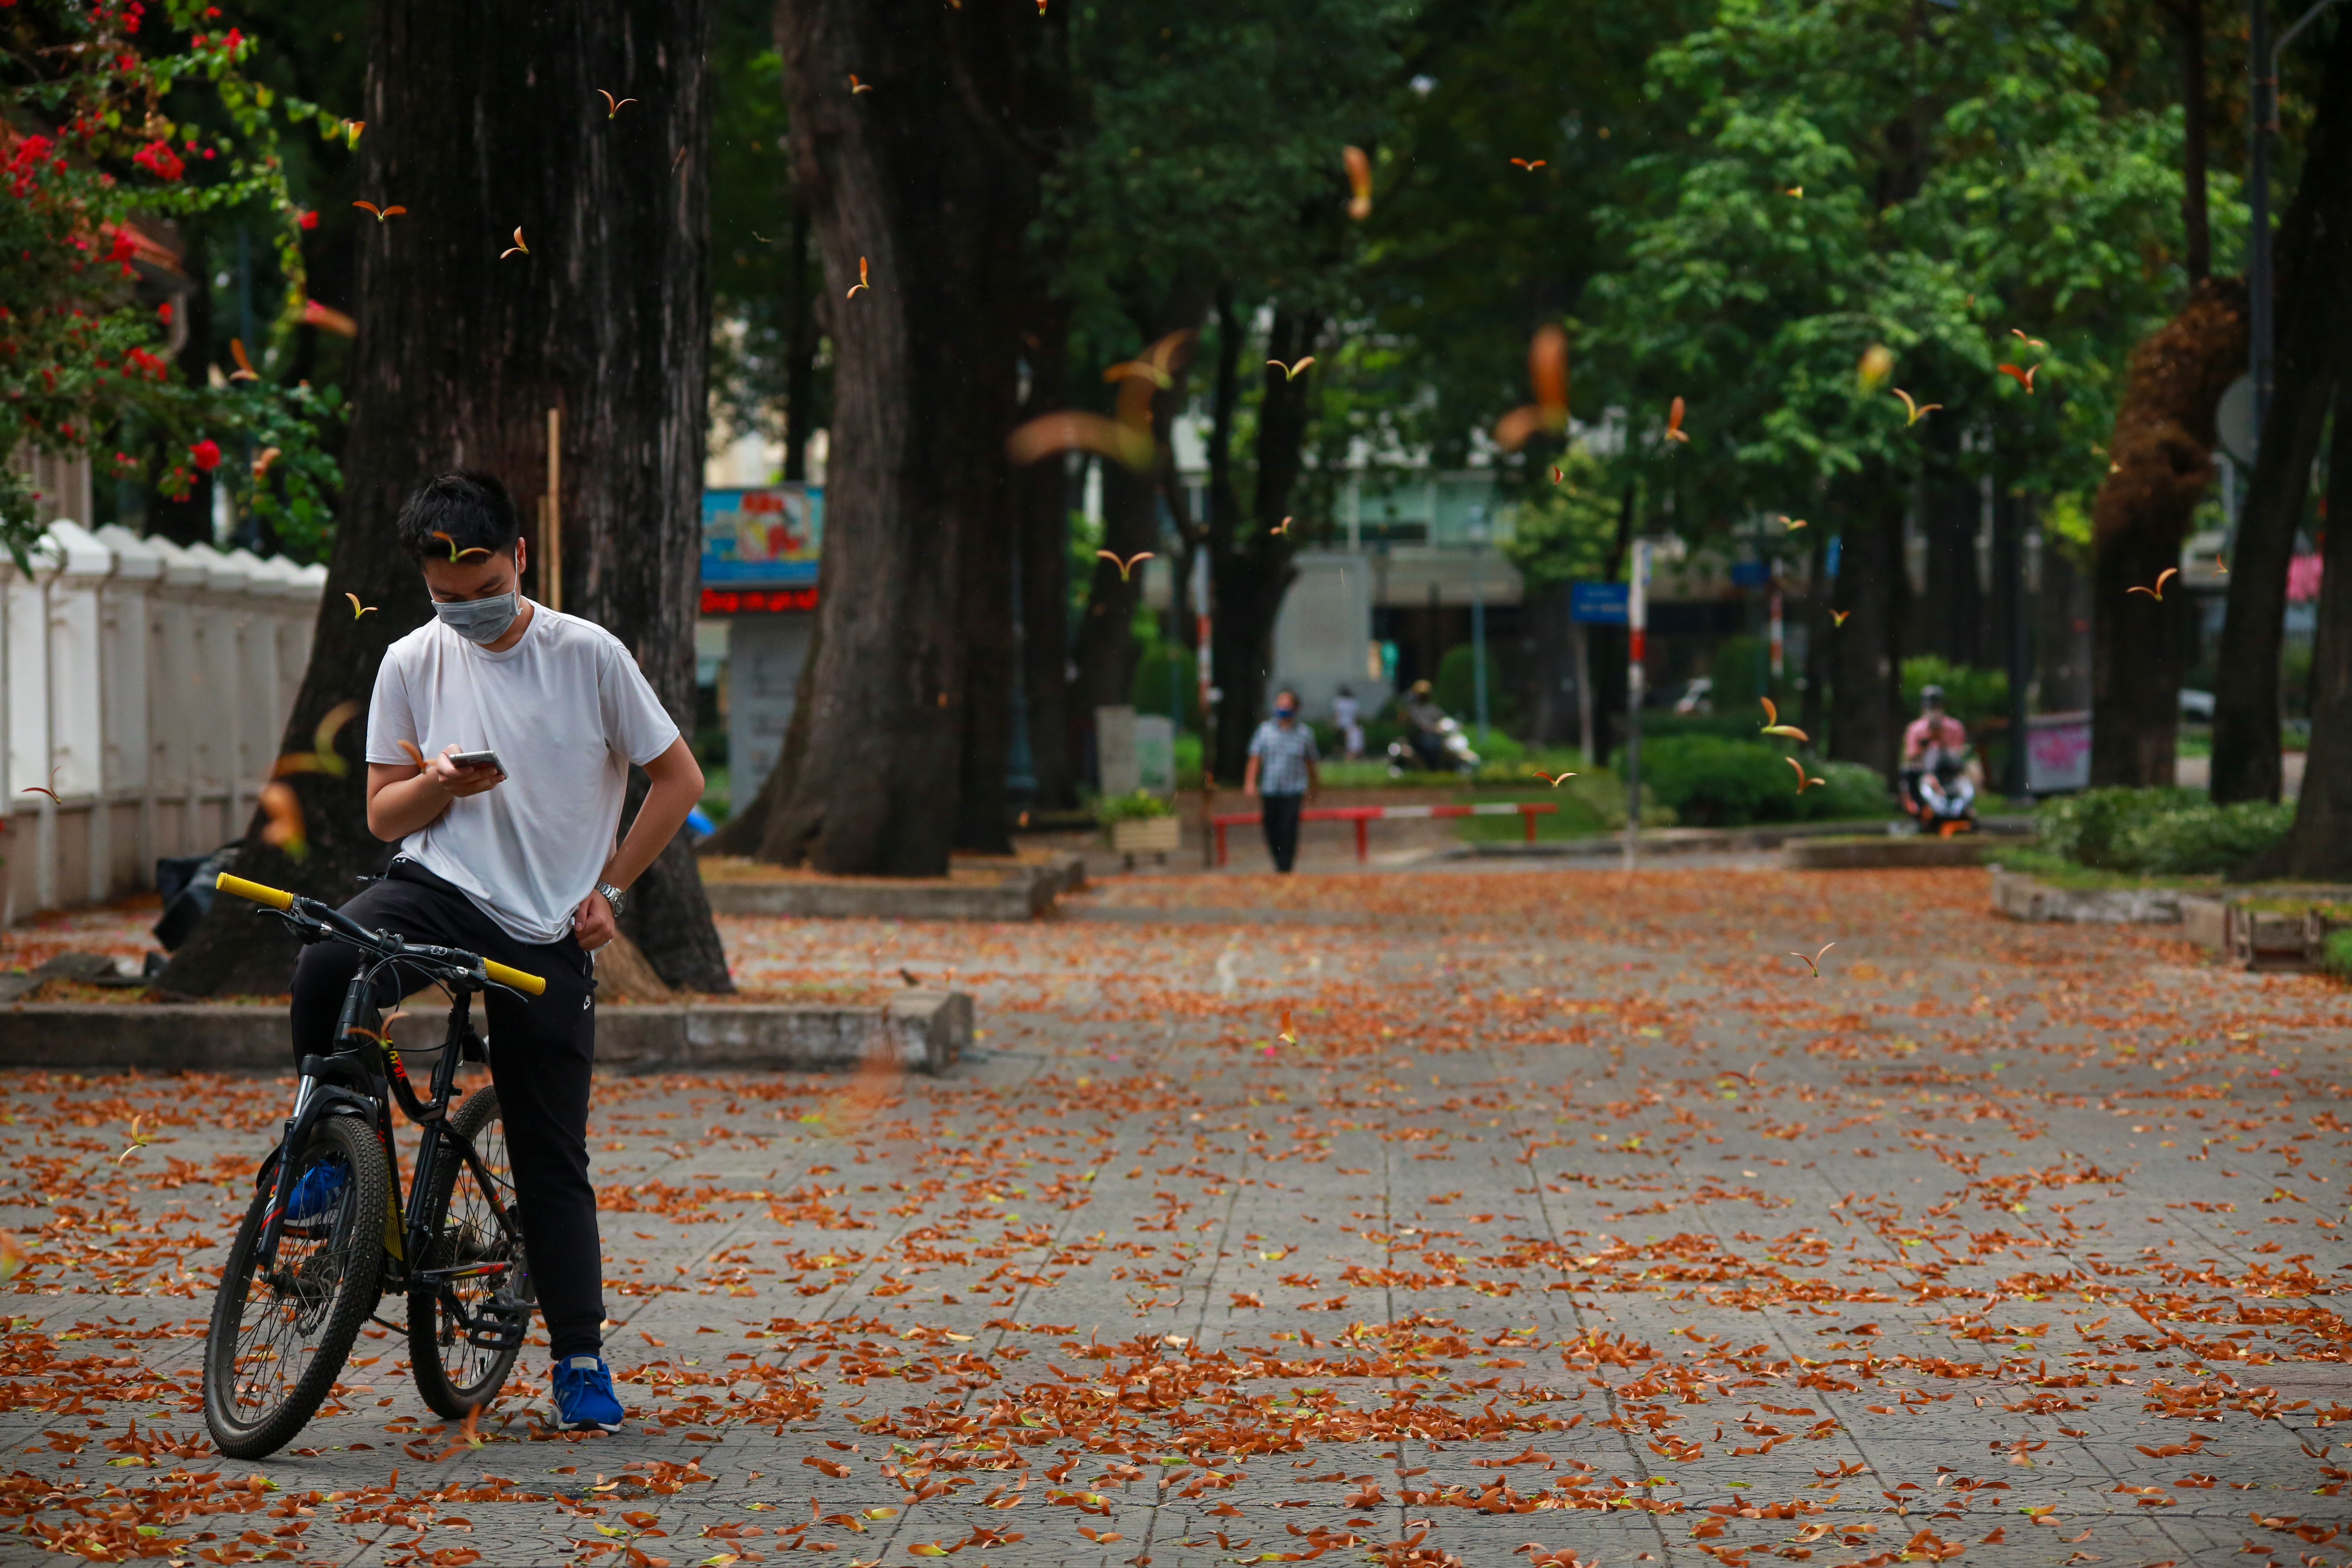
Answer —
(1285, 712)
(479, 620)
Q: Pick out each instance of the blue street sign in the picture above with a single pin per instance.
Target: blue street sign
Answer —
(1597, 604)
(1751, 573)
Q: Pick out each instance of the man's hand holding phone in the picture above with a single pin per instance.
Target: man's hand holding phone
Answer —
(459, 774)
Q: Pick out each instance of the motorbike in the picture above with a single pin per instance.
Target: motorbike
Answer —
(1446, 749)
(1942, 795)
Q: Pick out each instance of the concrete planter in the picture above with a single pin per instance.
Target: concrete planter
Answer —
(1881, 854)
(1135, 836)
(2024, 898)
(924, 1031)
(1009, 890)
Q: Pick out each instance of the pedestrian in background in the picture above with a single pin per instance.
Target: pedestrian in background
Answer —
(1348, 717)
(1282, 774)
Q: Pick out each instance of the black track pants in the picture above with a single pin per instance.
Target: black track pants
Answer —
(1280, 814)
(542, 1051)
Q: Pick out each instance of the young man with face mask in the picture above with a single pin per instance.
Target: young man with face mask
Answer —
(515, 861)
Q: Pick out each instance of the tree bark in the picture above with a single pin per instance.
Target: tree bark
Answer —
(2314, 258)
(1041, 503)
(1106, 652)
(921, 190)
(461, 355)
(1951, 510)
(2319, 849)
(801, 415)
(2160, 463)
(1865, 722)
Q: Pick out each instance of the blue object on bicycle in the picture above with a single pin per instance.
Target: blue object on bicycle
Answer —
(316, 1192)
(699, 821)
(584, 1395)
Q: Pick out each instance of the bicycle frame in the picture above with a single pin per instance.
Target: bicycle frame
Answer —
(347, 1080)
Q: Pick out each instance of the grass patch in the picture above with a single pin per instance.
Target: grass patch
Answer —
(2074, 876)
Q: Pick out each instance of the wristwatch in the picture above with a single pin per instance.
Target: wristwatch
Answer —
(615, 896)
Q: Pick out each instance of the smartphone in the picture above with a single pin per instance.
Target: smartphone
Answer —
(476, 760)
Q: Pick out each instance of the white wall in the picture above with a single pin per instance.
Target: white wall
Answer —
(148, 685)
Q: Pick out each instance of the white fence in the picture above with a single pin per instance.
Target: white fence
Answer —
(147, 684)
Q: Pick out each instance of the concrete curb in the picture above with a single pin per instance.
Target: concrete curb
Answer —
(1877, 854)
(1024, 893)
(2023, 898)
(1702, 840)
(926, 1031)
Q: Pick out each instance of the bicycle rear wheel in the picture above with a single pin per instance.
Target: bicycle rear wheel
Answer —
(469, 1300)
(278, 1338)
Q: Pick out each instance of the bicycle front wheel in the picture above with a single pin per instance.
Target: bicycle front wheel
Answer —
(280, 1335)
(469, 1300)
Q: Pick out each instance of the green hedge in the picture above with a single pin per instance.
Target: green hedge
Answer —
(1714, 781)
(2159, 832)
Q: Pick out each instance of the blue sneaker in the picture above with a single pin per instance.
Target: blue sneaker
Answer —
(583, 1396)
(316, 1193)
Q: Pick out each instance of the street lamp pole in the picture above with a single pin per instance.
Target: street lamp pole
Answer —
(1637, 621)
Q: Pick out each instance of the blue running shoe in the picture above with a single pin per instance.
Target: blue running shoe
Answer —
(316, 1192)
(583, 1396)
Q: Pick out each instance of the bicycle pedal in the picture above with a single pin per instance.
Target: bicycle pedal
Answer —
(498, 1326)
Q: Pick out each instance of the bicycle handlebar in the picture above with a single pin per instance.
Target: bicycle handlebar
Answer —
(505, 975)
(273, 897)
(278, 898)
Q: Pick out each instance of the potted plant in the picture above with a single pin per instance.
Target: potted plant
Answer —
(1140, 824)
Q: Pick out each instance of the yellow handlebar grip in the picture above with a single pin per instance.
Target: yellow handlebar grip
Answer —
(254, 891)
(514, 977)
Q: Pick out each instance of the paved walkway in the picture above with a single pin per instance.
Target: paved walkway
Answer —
(1573, 1212)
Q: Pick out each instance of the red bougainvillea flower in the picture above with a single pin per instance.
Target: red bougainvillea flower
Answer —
(308, 219)
(158, 159)
(206, 454)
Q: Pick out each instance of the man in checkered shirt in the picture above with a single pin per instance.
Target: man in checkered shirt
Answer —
(1282, 774)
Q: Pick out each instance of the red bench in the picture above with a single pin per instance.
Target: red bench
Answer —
(1364, 815)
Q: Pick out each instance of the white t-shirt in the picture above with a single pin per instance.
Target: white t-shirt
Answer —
(567, 710)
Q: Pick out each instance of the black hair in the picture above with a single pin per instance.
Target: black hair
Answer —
(452, 514)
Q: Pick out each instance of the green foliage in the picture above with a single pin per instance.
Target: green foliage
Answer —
(1713, 781)
(1961, 173)
(2335, 955)
(1455, 689)
(82, 357)
(1156, 667)
(1564, 533)
(1742, 672)
(1971, 695)
(1134, 807)
(753, 218)
(2162, 832)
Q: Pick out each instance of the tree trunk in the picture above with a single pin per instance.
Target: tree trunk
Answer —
(1251, 564)
(1866, 724)
(461, 355)
(2320, 850)
(1041, 503)
(1557, 718)
(1106, 652)
(2314, 258)
(1821, 636)
(984, 602)
(918, 190)
(802, 303)
(1951, 510)
(2161, 462)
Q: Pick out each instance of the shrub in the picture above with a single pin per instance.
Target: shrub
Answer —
(1710, 781)
(1134, 807)
(1457, 690)
(1742, 670)
(2165, 831)
(1149, 689)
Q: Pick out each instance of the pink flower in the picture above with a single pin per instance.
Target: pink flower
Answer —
(206, 454)
(2302, 579)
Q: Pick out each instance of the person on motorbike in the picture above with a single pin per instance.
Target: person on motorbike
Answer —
(1932, 742)
(1424, 727)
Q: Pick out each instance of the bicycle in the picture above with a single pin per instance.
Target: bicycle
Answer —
(325, 1237)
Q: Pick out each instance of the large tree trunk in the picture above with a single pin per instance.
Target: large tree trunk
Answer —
(2196, 232)
(2314, 258)
(1251, 564)
(461, 355)
(2320, 848)
(918, 188)
(2160, 463)
(1865, 712)
(1041, 503)
(1951, 511)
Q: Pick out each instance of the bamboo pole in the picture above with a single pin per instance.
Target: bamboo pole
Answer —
(551, 513)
